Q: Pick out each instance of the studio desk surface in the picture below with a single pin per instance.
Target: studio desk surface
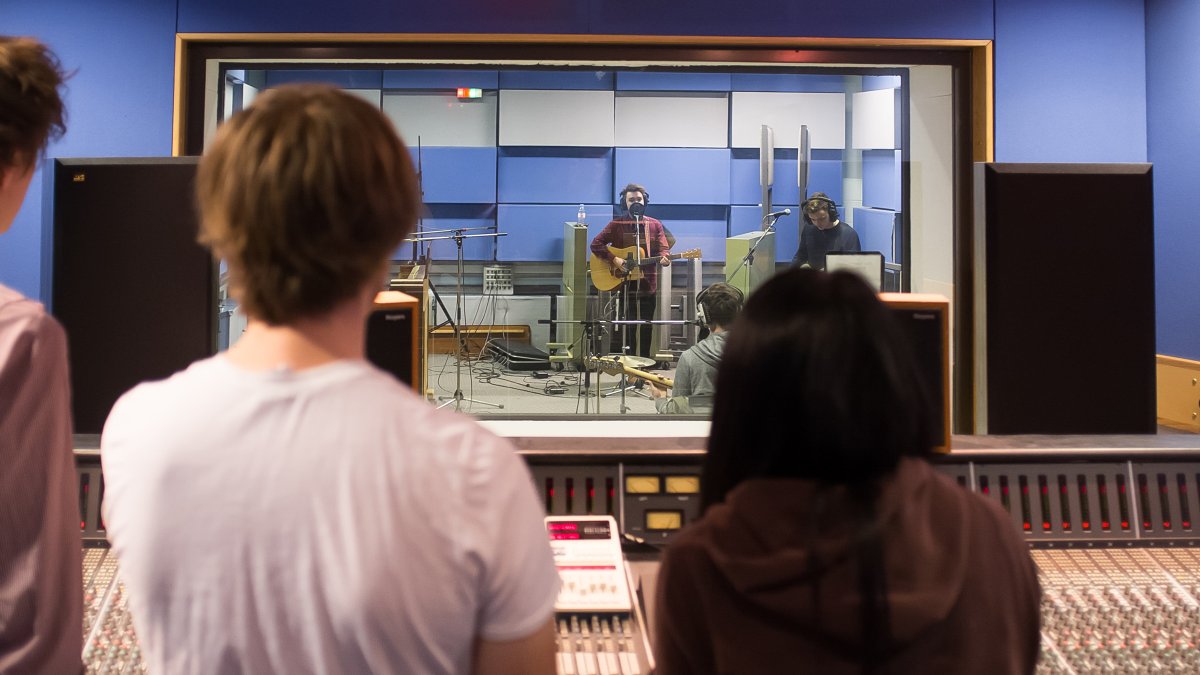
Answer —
(1109, 520)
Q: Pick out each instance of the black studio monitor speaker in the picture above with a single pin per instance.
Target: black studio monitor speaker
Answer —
(925, 319)
(135, 292)
(393, 336)
(1064, 299)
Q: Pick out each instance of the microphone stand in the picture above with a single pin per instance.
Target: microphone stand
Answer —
(459, 342)
(749, 257)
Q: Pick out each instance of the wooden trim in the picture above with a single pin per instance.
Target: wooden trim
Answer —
(983, 112)
(1163, 359)
(577, 38)
(178, 119)
(1178, 385)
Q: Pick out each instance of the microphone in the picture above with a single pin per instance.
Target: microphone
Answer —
(777, 214)
(636, 209)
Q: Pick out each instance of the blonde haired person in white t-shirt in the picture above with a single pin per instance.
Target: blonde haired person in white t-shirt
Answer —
(285, 507)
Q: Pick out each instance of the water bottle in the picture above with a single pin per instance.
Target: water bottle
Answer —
(581, 217)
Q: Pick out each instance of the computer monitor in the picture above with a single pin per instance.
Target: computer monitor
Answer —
(866, 264)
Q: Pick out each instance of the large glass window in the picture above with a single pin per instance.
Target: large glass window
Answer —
(522, 168)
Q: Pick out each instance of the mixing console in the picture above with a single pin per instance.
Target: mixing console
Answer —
(1120, 610)
(109, 643)
(1117, 552)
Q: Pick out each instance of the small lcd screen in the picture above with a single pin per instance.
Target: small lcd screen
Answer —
(683, 485)
(642, 485)
(578, 529)
(664, 520)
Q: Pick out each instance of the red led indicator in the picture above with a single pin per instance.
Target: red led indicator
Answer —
(1187, 524)
(1104, 525)
(1166, 524)
(1124, 524)
(1028, 526)
(1066, 525)
(1087, 524)
(1004, 490)
(1046, 525)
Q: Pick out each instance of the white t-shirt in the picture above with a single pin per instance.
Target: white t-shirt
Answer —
(320, 521)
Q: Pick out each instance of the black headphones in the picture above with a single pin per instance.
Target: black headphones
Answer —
(701, 315)
(819, 202)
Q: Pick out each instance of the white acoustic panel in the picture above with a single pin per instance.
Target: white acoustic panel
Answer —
(694, 120)
(825, 115)
(443, 120)
(572, 118)
(873, 115)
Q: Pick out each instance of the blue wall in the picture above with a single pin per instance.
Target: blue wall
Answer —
(1071, 78)
(1173, 101)
(1070, 81)
(118, 101)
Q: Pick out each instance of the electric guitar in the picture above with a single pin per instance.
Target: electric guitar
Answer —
(612, 365)
(606, 276)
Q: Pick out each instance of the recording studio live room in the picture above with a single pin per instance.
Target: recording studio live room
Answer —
(599, 338)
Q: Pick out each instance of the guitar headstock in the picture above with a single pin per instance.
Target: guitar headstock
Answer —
(606, 365)
(690, 254)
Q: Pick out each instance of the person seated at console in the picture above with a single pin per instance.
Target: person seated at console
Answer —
(828, 544)
(696, 375)
(286, 507)
(822, 232)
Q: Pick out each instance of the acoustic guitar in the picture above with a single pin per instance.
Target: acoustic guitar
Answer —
(612, 365)
(606, 276)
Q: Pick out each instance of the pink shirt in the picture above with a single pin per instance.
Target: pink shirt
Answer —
(41, 595)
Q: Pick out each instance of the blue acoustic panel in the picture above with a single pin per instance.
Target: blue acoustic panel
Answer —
(346, 79)
(875, 228)
(825, 174)
(556, 79)
(635, 80)
(743, 219)
(450, 216)
(676, 175)
(534, 231)
(440, 79)
(789, 82)
(695, 226)
(873, 82)
(535, 175)
(457, 175)
(881, 179)
(744, 187)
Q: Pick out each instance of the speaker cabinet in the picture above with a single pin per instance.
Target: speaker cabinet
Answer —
(393, 335)
(1064, 299)
(925, 318)
(135, 292)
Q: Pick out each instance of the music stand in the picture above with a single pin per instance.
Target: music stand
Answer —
(457, 398)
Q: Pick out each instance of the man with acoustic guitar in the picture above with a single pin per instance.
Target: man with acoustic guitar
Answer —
(638, 239)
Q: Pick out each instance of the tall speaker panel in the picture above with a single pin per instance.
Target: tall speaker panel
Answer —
(135, 292)
(1064, 299)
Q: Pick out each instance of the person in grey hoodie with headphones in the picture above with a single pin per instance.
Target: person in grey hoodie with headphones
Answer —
(696, 375)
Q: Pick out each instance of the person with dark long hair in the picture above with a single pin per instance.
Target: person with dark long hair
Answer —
(828, 543)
